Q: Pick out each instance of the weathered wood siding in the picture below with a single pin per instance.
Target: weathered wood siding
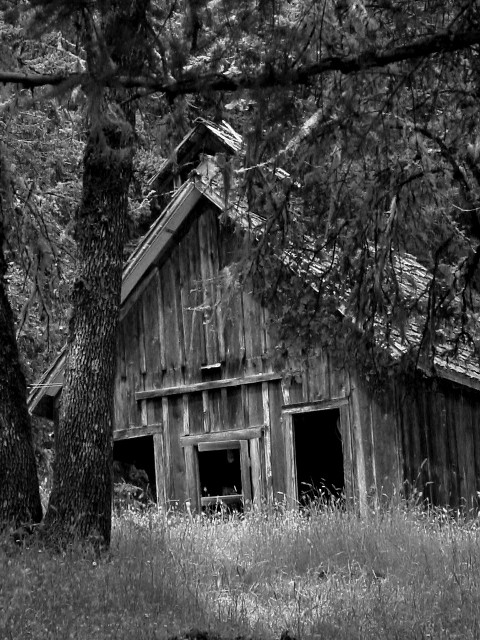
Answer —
(181, 319)
(184, 325)
(439, 426)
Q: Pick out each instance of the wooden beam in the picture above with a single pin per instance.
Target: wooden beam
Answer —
(320, 405)
(205, 386)
(158, 451)
(222, 436)
(220, 446)
(136, 431)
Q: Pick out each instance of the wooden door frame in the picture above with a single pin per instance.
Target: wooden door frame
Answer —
(251, 443)
(288, 411)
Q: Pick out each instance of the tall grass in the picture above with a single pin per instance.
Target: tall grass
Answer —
(400, 573)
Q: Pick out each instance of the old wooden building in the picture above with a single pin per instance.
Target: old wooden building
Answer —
(206, 410)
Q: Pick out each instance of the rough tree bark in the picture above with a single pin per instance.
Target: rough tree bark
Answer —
(79, 509)
(19, 492)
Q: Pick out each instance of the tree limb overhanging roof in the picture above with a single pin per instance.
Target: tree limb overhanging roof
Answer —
(413, 278)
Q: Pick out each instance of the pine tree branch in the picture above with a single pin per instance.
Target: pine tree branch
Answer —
(443, 42)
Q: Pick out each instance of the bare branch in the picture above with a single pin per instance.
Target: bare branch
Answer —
(442, 42)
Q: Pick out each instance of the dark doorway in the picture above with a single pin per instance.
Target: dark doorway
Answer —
(318, 455)
(134, 463)
(220, 475)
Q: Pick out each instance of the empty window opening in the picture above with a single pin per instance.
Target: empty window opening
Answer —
(134, 465)
(220, 475)
(318, 455)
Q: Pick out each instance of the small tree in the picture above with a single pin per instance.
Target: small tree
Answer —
(19, 493)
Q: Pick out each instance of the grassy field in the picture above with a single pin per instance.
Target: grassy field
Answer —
(398, 574)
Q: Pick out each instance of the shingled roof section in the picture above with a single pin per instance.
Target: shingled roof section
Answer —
(449, 358)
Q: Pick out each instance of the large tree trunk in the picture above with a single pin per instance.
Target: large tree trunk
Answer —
(81, 501)
(19, 492)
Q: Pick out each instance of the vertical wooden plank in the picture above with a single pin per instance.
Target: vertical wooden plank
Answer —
(265, 335)
(424, 427)
(355, 421)
(291, 493)
(215, 410)
(385, 447)
(132, 362)
(197, 350)
(473, 400)
(252, 328)
(177, 458)
(195, 410)
(166, 456)
(245, 470)
(437, 415)
(171, 327)
(305, 383)
(267, 446)
(245, 407)
(192, 478)
(176, 288)
(143, 412)
(318, 378)
(161, 320)
(213, 247)
(226, 424)
(233, 407)
(186, 414)
(185, 309)
(206, 267)
(207, 426)
(346, 434)
(160, 480)
(120, 393)
(141, 336)
(465, 446)
(277, 441)
(291, 488)
(255, 404)
(469, 453)
(257, 475)
(452, 454)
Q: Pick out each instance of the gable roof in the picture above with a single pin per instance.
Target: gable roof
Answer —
(207, 181)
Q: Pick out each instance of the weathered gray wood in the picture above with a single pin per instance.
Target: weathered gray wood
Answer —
(356, 426)
(161, 320)
(136, 431)
(206, 412)
(319, 405)
(245, 470)
(267, 446)
(346, 433)
(159, 457)
(291, 489)
(257, 471)
(221, 446)
(135, 295)
(186, 415)
(192, 476)
(166, 442)
(204, 386)
(223, 436)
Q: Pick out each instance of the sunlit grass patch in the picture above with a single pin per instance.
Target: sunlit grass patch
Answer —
(325, 573)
